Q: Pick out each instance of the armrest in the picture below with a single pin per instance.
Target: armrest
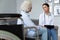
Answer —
(30, 27)
(56, 27)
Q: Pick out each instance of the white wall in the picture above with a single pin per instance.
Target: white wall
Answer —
(7, 6)
(36, 8)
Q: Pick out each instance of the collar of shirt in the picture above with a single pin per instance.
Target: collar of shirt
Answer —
(24, 13)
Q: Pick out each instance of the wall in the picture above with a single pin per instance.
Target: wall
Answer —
(7, 6)
(36, 8)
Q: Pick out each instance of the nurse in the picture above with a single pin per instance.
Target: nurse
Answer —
(46, 19)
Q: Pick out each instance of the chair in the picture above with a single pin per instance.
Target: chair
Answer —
(30, 38)
(56, 28)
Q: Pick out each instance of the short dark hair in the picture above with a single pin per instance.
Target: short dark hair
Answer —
(45, 4)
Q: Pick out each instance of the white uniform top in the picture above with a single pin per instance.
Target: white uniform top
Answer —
(46, 19)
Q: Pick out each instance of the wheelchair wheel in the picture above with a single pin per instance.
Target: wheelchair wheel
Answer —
(5, 35)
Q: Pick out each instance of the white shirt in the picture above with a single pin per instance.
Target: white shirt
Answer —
(26, 19)
(46, 19)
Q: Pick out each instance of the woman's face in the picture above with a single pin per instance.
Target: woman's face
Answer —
(30, 9)
(45, 8)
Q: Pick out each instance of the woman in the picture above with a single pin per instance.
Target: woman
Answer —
(26, 7)
(46, 19)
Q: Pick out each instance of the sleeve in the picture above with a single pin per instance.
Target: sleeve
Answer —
(27, 21)
(52, 21)
(40, 20)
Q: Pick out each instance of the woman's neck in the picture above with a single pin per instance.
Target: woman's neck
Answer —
(47, 13)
